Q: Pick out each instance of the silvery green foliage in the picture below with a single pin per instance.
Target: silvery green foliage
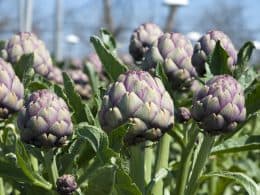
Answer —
(174, 52)
(45, 120)
(81, 81)
(11, 90)
(142, 38)
(66, 184)
(138, 98)
(26, 43)
(219, 106)
(205, 47)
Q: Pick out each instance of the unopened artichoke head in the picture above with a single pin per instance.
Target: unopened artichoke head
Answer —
(142, 100)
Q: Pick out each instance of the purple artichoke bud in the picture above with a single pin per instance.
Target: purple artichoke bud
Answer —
(94, 60)
(183, 114)
(174, 52)
(45, 120)
(55, 75)
(66, 185)
(81, 82)
(25, 43)
(219, 106)
(138, 98)
(127, 59)
(11, 90)
(205, 47)
(142, 39)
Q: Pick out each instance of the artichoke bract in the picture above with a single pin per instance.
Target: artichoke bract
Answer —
(205, 47)
(219, 106)
(66, 184)
(174, 52)
(26, 43)
(142, 38)
(55, 75)
(142, 100)
(182, 114)
(11, 90)
(81, 82)
(45, 120)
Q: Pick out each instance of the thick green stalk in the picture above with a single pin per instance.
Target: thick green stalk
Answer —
(148, 158)
(2, 188)
(186, 162)
(213, 180)
(51, 167)
(202, 157)
(162, 158)
(34, 162)
(137, 164)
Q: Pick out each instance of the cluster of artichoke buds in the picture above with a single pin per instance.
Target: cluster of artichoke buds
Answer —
(142, 100)
(45, 120)
(11, 90)
(174, 52)
(219, 106)
(26, 43)
(205, 47)
(66, 184)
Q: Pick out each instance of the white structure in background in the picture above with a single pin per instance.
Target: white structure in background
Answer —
(25, 15)
(173, 6)
(257, 44)
(193, 36)
(72, 39)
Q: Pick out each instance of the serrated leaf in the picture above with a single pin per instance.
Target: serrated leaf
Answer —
(249, 185)
(108, 40)
(23, 161)
(74, 99)
(244, 143)
(102, 181)
(95, 136)
(112, 65)
(243, 56)
(23, 68)
(219, 61)
(124, 184)
(247, 78)
(253, 98)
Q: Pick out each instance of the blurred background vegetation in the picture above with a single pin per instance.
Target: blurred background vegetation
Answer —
(66, 20)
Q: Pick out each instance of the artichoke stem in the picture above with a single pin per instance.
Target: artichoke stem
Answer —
(51, 167)
(186, 162)
(137, 163)
(202, 157)
(162, 158)
(148, 155)
(213, 182)
(2, 188)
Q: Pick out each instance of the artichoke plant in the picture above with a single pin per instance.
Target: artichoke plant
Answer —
(142, 100)
(174, 52)
(182, 114)
(45, 120)
(81, 81)
(205, 47)
(142, 39)
(26, 43)
(219, 106)
(66, 185)
(55, 75)
(11, 90)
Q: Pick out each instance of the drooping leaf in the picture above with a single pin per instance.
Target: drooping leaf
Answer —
(244, 143)
(112, 65)
(249, 185)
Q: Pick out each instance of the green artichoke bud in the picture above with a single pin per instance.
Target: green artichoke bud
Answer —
(11, 90)
(142, 100)
(142, 39)
(66, 185)
(182, 114)
(81, 81)
(45, 120)
(25, 43)
(174, 52)
(219, 106)
(205, 47)
(55, 75)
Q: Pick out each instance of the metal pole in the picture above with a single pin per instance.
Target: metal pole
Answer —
(21, 15)
(58, 30)
(170, 19)
(28, 15)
